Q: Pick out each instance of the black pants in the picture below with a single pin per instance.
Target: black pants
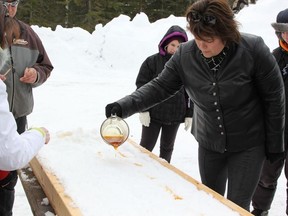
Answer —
(168, 135)
(7, 193)
(21, 124)
(7, 185)
(267, 185)
(241, 169)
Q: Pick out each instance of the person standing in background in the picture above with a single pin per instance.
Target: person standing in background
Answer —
(238, 95)
(28, 67)
(167, 115)
(267, 185)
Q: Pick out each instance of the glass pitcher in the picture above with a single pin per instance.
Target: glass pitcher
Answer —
(114, 131)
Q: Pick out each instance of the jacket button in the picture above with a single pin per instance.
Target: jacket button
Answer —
(218, 117)
(217, 110)
(222, 133)
(214, 94)
(215, 103)
(220, 126)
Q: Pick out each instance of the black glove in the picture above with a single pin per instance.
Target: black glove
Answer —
(273, 157)
(113, 109)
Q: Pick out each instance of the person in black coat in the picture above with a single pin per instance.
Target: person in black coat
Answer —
(167, 115)
(267, 185)
(238, 95)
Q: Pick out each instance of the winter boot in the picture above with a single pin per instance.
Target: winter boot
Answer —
(259, 212)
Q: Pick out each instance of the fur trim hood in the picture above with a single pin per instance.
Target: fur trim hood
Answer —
(175, 32)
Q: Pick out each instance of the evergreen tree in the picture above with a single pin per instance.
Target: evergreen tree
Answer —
(87, 13)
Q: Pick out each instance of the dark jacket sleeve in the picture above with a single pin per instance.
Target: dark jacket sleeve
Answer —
(282, 59)
(164, 86)
(145, 73)
(271, 87)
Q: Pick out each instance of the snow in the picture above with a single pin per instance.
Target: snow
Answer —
(92, 70)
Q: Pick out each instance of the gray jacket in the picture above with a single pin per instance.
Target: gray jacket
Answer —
(30, 54)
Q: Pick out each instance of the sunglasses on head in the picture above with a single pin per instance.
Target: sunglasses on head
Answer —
(205, 18)
(12, 4)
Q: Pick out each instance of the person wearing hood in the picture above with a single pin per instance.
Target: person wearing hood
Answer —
(265, 191)
(166, 116)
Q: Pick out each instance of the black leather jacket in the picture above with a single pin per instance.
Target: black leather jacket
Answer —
(240, 106)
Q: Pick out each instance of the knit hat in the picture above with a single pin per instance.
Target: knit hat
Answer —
(281, 24)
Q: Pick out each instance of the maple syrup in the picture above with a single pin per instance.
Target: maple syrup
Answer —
(114, 140)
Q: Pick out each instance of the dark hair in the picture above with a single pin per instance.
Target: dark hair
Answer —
(210, 18)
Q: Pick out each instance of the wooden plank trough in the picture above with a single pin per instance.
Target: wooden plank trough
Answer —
(63, 203)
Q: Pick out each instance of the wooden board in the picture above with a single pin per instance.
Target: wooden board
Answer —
(64, 206)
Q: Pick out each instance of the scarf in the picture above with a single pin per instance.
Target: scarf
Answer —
(215, 62)
(283, 45)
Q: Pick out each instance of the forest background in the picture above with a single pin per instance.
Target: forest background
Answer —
(87, 14)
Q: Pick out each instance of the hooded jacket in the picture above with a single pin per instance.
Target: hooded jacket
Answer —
(26, 52)
(176, 108)
(239, 107)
